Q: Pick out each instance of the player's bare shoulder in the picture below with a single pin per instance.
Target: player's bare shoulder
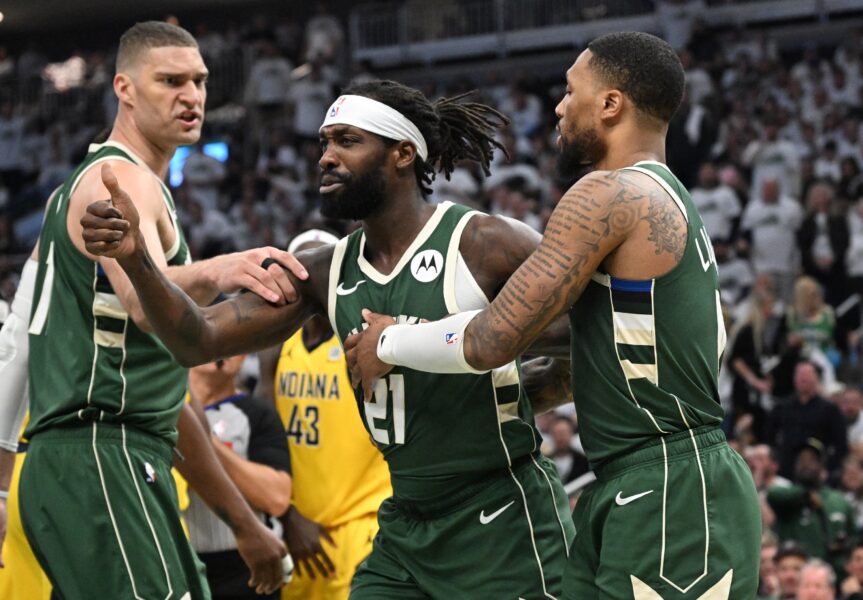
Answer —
(661, 217)
(493, 247)
(141, 184)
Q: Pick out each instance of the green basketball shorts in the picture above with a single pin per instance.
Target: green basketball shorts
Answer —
(676, 519)
(506, 538)
(99, 508)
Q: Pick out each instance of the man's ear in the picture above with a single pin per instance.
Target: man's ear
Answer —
(124, 88)
(406, 154)
(612, 104)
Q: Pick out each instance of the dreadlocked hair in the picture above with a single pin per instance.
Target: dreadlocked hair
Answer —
(453, 130)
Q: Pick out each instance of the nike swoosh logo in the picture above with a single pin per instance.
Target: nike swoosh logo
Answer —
(485, 520)
(621, 501)
(341, 290)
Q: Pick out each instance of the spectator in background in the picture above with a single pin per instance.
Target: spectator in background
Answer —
(768, 581)
(790, 559)
(324, 34)
(827, 163)
(9, 243)
(12, 128)
(7, 66)
(735, 273)
(310, 96)
(851, 483)
(523, 108)
(817, 582)
(803, 417)
(849, 141)
(851, 183)
(772, 158)
(202, 177)
(268, 88)
(210, 232)
(761, 459)
(811, 513)
(811, 322)
(853, 584)
(717, 204)
(570, 463)
(771, 221)
(755, 340)
(824, 240)
(851, 405)
(854, 254)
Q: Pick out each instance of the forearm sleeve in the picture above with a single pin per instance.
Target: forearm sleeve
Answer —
(435, 347)
(14, 351)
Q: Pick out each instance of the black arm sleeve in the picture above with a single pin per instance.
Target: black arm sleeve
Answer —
(268, 444)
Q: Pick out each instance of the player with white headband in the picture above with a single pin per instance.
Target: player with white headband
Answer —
(476, 511)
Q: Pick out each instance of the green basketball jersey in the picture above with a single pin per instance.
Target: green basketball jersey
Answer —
(436, 432)
(88, 359)
(645, 354)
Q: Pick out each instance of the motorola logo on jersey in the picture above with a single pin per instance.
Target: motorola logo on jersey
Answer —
(427, 265)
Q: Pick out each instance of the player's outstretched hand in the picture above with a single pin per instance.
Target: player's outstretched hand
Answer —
(361, 352)
(262, 552)
(305, 542)
(111, 226)
(244, 270)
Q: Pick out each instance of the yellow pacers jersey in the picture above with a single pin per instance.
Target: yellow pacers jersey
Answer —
(338, 474)
(22, 578)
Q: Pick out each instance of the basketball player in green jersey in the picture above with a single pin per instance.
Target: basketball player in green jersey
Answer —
(98, 502)
(674, 513)
(476, 511)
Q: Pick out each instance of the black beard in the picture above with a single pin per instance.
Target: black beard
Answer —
(357, 198)
(580, 154)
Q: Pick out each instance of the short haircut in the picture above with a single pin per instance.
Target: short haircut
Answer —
(817, 563)
(150, 34)
(790, 548)
(643, 67)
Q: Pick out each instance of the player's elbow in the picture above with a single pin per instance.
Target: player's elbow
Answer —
(191, 357)
(488, 359)
(139, 318)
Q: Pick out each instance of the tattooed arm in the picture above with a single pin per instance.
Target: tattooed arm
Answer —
(621, 220)
(494, 248)
(613, 218)
(196, 335)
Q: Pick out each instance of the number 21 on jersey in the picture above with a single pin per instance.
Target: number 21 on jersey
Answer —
(378, 408)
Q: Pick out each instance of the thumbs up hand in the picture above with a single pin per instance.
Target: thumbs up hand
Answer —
(111, 226)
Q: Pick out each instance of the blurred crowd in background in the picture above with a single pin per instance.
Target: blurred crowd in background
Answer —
(768, 141)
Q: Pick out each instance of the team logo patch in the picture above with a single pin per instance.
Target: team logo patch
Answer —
(427, 265)
(451, 338)
(335, 353)
(149, 473)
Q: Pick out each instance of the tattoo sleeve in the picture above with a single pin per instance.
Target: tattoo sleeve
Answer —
(589, 222)
(196, 335)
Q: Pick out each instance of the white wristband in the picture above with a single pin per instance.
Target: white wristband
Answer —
(436, 347)
(4, 494)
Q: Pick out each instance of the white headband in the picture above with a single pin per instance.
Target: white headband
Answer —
(312, 235)
(375, 117)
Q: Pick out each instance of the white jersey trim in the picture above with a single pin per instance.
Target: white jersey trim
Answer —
(421, 238)
(668, 189)
(335, 270)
